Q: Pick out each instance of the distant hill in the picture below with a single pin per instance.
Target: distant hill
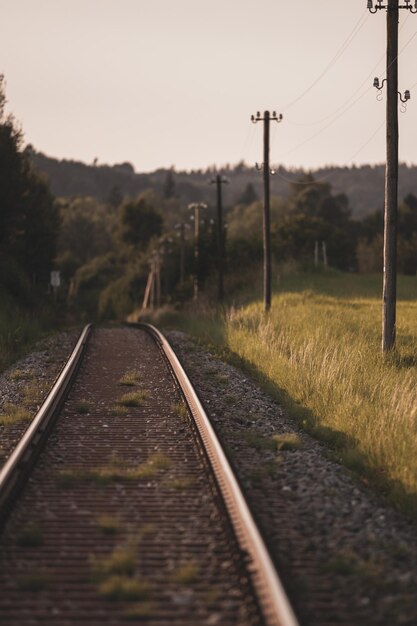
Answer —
(363, 185)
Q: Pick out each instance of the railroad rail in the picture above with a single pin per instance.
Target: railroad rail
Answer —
(82, 452)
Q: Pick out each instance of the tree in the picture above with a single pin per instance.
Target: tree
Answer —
(249, 196)
(28, 215)
(168, 190)
(139, 222)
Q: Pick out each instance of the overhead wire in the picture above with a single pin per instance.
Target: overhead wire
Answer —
(371, 73)
(344, 46)
(333, 170)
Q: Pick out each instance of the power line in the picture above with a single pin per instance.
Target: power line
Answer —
(334, 170)
(335, 58)
(321, 130)
(370, 75)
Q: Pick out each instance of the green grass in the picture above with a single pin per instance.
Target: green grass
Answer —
(318, 352)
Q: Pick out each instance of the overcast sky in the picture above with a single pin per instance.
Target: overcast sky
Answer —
(174, 82)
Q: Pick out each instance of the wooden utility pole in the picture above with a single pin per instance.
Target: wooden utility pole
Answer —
(196, 207)
(267, 275)
(391, 183)
(389, 300)
(219, 181)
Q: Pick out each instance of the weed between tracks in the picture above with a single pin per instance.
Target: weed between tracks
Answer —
(133, 399)
(115, 471)
(180, 410)
(108, 524)
(185, 574)
(131, 378)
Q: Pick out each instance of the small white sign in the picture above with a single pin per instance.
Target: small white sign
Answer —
(55, 279)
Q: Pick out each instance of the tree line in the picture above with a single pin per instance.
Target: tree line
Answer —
(103, 245)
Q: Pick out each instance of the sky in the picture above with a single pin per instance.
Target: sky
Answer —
(162, 83)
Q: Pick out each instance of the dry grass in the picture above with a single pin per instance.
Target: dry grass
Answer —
(123, 588)
(318, 352)
(13, 414)
(115, 471)
(130, 378)
(133, 399)
(287, 441)
(108, 524)
(185, 574)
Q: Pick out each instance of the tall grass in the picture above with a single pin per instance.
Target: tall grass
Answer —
(319, 351)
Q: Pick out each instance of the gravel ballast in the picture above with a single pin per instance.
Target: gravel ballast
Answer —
(345, 556)
(26, 383)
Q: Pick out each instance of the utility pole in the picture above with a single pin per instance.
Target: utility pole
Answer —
(266, 217)
(196, 207)
(219, 181)
(389, 301)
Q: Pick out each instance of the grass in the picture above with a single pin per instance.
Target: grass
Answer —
(117, 410)
(180, 483)
(115, 471)
(180, 410)
(35, 393)
(287, 441)
(257, 441)
(18, 375)
(133, 399)
(347, 563)
(83, 407)
(108, 524)
(121, 562)
(130, 379)
(318, 352)
(123, 588)
(14, 414)
(185, 574)
(115, 575)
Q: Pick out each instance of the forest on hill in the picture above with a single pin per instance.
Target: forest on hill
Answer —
(363, 185)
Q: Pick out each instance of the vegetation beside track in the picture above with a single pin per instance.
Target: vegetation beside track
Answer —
(318, 352)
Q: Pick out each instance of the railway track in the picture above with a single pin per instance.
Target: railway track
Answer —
(119, 504)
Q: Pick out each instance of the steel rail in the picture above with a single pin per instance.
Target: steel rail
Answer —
(15, 470)
(273, 601)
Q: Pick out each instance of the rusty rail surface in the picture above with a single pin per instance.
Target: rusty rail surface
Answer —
(275, 606)
(16, 469)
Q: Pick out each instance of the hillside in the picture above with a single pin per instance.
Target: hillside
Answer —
(363, 185)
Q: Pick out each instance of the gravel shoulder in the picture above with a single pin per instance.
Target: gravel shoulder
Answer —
(25, 384)
(345, 556)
